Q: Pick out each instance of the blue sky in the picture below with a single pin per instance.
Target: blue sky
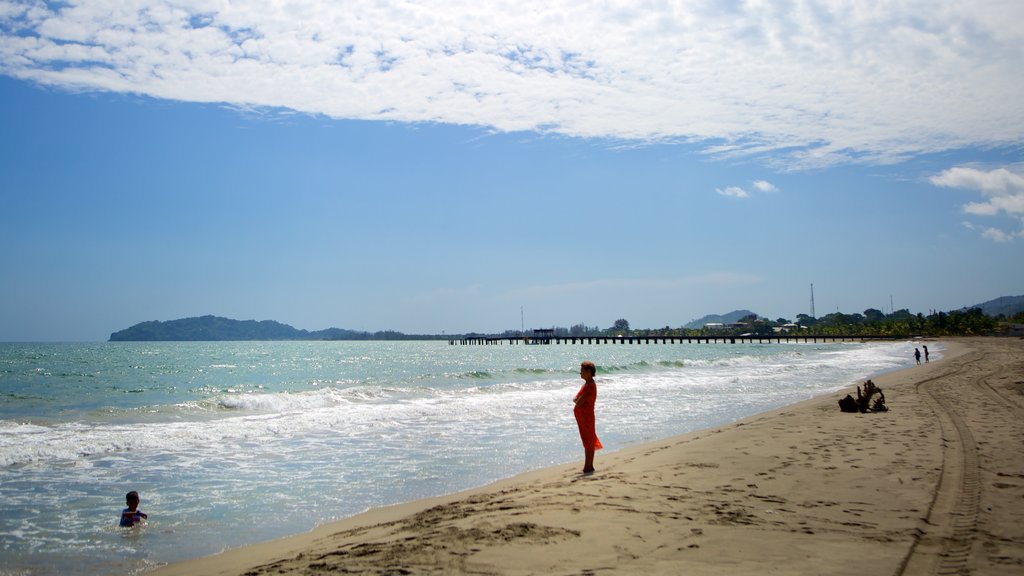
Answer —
(440, 167)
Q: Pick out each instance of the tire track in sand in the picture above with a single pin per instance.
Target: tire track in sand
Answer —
(952, 519)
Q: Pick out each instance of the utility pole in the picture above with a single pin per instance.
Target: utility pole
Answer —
(812, 301)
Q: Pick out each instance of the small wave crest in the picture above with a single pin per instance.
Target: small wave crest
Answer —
(286, 402)
(639, 366)
(476, 375)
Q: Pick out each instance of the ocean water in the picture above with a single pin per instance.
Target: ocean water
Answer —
(241, 442)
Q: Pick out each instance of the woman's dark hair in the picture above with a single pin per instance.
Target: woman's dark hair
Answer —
(589, 367)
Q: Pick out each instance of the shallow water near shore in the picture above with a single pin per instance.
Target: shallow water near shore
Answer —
(240, 442)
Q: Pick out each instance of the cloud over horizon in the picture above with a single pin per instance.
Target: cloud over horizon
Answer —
(1002, 189)
(798, 85)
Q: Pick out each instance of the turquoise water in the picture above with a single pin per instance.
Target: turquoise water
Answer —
(240, 442)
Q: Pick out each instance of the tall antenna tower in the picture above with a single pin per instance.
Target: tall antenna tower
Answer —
(812, 301)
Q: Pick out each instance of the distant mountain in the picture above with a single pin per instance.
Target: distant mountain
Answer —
(1004, 305)
(729, 318)
(215, 328)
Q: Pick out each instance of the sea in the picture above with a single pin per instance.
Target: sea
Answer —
(234, 443)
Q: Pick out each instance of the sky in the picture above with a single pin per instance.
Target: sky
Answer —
(452, 167)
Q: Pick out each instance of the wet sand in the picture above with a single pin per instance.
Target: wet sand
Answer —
(933, 486)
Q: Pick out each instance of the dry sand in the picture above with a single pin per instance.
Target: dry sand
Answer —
(934, 486)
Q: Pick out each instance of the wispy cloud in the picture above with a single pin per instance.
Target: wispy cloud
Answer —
(995, 234)
(808, 83)
(765, 186)
(1003, 189)
(733, 192)
(738, 192)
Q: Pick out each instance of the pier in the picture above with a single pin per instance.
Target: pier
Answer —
(626, 340)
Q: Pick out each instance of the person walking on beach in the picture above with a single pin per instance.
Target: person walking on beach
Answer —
(925, 353)
(131, 515)
(584, 413)
(917, 355)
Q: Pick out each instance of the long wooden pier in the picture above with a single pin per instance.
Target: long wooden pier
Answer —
(776, 338)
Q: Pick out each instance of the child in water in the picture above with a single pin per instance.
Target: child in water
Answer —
(131, 515)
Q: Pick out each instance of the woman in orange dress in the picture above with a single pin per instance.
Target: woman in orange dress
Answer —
(584, 412)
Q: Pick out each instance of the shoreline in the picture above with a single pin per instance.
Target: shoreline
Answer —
(803, 487)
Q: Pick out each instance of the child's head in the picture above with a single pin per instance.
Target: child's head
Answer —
(132, 499)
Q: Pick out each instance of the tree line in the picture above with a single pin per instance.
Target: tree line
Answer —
(872, 322)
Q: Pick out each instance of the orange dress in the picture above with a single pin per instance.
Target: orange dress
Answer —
(584, 412)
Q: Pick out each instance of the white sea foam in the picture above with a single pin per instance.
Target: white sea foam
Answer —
(401, 422)
(283, 415)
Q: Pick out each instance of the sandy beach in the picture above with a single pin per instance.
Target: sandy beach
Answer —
(933, 486)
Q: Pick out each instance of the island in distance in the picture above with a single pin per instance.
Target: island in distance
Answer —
(216, 328)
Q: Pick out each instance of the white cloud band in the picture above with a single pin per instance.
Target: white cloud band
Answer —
(841, 82)
(1002, 188)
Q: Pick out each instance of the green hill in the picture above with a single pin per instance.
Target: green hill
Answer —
(728, 318)
(215, 328)
(1006, 306)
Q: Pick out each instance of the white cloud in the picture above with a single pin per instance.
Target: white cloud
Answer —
(996, 235)
(991, 183)
(738, 192)
(980, 209)
(1004, 192)
(812, 84)
(733, 191)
